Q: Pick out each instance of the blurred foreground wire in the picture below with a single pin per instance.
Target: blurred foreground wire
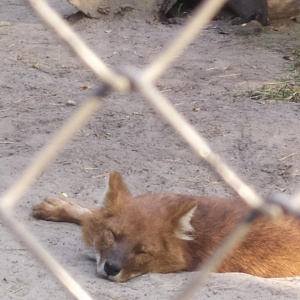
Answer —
(143, 81)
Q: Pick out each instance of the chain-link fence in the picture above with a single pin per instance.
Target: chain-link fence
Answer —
(142, 81)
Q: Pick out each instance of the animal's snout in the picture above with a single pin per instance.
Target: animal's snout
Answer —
(112, 268)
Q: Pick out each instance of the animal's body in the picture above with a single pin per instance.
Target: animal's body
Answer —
(171, 233)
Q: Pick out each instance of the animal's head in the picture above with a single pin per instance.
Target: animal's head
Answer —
(135, 236)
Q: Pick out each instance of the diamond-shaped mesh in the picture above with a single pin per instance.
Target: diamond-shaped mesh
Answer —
(142, 81)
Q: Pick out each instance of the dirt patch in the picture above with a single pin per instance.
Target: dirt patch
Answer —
(39, 76)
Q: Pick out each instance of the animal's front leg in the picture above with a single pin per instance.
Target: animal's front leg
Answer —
(58, 210)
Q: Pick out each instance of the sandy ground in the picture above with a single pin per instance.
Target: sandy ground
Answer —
(39, 75)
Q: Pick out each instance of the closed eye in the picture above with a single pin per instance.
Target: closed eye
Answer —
(117, 236)
(113, 234)
(140, 251)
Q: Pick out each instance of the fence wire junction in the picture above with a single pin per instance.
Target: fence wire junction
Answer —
(143, 81)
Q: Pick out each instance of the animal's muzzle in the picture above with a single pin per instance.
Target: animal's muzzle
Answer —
(112, 268)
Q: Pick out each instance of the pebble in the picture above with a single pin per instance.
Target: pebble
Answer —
(71, 103)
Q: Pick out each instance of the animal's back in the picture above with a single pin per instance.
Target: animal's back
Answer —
(270, 249)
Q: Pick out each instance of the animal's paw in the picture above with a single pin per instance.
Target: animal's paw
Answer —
(51, 209)
(58, 210)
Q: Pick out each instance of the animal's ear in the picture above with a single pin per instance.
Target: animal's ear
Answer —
(181, 220)
(117, 192)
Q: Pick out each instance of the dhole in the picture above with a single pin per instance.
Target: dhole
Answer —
(171, 233)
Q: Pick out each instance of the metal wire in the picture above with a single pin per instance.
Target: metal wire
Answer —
(215, 261)
(62, 28)
(23, 234)
(196, 24)
(197, 142)
(49, 152)
(143, 81)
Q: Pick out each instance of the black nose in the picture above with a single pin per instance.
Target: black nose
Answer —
(111, 268)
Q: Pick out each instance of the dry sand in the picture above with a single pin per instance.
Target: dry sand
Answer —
(39, 75)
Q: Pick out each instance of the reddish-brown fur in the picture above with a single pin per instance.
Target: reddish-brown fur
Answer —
(172, 233)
